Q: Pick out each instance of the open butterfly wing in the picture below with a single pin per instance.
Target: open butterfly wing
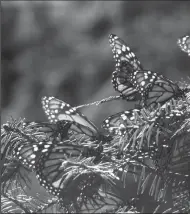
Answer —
(55, 161)
(28, 153)
(50, 168)
(184, 44)
(57, 110)
(117, 123)
(157, 89)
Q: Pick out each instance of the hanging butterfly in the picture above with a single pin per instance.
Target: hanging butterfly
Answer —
(126, 63)
(58, 111)
(134, 83)
(184, 44)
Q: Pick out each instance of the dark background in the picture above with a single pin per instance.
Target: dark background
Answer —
(61, 49)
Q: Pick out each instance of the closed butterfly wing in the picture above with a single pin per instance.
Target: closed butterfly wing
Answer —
(123, 55)
(126, 64)
(57, 110)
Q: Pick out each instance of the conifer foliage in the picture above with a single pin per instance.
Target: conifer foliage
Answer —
(140, 162)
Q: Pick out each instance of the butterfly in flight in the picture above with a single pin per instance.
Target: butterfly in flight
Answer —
(57, 111)
(184, 44)
(134, 82)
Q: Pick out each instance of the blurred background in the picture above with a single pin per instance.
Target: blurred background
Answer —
(61, 49)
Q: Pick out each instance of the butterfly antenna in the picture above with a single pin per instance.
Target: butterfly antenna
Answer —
(100, 101)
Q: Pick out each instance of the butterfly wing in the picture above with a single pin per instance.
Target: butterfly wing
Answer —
(123, 55)
(28, 153)
(135, 83)
(155, 88)
(163, 90)
(49, 169)
(51, 130)
(117, 124)
(184, 44)
(52, 167)
(126, 64)
(57, 110)
(126, 89)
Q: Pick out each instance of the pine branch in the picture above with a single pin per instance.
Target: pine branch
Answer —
(154, 150)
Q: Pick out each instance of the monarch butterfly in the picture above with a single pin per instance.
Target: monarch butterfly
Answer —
(164, 116)
(57, 111)
(117, 124)
(184, 44)
(134, 83)
(28, 153)
(126, 63)
(51, 167)
(28, 150)
(47, 160)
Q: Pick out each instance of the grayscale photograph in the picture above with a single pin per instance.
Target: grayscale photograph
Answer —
(95, 106)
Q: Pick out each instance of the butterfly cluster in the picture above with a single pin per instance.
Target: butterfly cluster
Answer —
(134, 83)
(71, 136)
